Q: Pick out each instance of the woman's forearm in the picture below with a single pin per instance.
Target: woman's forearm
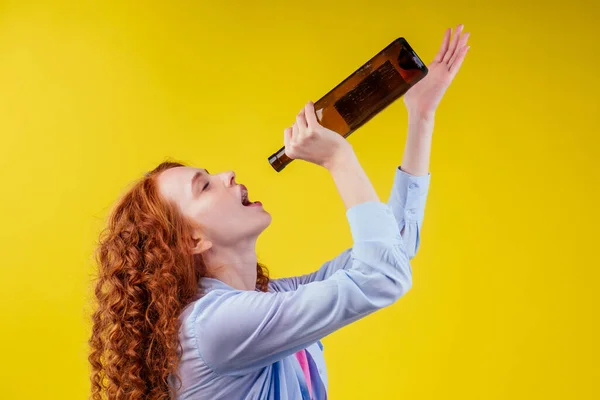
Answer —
(417, 151)
(351, 180)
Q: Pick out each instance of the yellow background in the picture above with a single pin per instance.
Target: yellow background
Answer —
(505, 298)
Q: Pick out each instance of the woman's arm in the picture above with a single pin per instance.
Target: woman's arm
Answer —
(412, 179)
(411, 182)
(239, 331)
(417, 151)
(350, 179)
(407, 201)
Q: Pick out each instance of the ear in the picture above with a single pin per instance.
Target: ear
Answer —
(202, 245)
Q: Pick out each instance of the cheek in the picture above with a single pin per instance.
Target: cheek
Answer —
(220, 215)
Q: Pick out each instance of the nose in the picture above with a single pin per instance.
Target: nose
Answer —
(230, 178)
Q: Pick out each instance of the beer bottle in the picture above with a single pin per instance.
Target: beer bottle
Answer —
(370, 89)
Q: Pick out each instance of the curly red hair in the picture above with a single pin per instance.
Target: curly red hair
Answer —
(147, 274)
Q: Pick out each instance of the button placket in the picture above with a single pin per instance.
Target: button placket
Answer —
(411, 196)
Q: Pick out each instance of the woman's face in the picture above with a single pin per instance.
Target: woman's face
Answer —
(215, 204)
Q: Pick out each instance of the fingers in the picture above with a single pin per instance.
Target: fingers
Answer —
(311, 117)
(461, 44)
(301, 121)
(287, 137)
(458, 62)
(445, 43)
(299, 130)
(453, 43)
(287, 141)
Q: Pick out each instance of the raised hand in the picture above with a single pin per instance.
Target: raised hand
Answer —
(424, 98)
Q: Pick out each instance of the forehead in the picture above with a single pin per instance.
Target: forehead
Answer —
(174, 183)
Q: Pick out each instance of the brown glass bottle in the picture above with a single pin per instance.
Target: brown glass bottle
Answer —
(370, 89)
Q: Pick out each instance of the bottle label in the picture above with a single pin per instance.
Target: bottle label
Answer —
(371, 95)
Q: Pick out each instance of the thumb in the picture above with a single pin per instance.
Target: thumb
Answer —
(287, 138)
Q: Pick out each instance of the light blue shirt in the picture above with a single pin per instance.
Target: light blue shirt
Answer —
(240, 344)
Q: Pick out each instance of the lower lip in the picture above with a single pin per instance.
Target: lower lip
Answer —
(255, 204)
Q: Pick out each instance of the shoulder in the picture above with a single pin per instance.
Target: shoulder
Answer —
(216, 303)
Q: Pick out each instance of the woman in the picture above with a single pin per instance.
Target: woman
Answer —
(185, 310)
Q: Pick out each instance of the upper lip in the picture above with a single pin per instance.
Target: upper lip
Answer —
(243, 192)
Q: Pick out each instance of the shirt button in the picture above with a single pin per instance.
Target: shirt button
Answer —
(411, 211)
(412, 186)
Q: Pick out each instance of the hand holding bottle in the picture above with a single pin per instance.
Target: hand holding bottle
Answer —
(363, 94)
(310, 141)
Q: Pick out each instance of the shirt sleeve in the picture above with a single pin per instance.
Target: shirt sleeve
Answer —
(239, 331)
(407, 201)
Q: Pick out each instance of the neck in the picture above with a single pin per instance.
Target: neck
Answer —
(236, 266)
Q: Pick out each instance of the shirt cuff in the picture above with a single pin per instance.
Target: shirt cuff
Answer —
(410, 193)
(404, 177)
(373, 221)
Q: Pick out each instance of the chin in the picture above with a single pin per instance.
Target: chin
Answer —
(267, 221)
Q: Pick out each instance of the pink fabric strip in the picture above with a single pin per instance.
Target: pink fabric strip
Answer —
(301, 356)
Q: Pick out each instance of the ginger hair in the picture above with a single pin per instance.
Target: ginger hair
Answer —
(147, 274)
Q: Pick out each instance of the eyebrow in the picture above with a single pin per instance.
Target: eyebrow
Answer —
(197, 176)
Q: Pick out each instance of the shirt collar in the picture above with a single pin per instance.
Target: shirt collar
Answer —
(207, 284)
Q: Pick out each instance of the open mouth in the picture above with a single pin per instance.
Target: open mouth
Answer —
(244, 193)
(245, 200)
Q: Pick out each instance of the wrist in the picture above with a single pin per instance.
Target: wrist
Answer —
(419, 115)
(420, 126)
(341, 158)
